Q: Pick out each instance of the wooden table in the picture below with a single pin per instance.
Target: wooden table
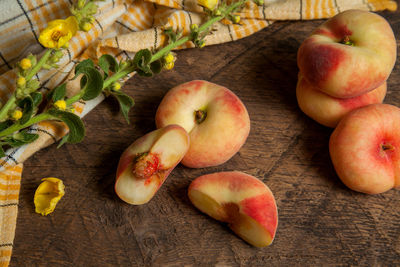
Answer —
(321, 221)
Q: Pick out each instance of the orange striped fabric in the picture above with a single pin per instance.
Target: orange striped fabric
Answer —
(121, 28)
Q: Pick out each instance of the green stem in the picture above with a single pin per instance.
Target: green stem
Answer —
(39, 65)
(202, 28)
(11, 101)
(16, 127)
(9, 104)
(119, 75)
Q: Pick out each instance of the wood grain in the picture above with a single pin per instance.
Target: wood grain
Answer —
(321, 222)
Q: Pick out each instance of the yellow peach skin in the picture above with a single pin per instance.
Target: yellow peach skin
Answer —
(328, 110)
(365, 148)
(216, 120)
(350, 54)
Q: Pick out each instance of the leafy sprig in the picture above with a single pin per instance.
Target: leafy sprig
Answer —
(94, 80)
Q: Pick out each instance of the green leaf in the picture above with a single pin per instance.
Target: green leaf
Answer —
(87, 63)
(59, 92)
(5, 124)
(37, 98)
(108, 62)
(171, 35)
(125, 103)
(21, 138)
(26, 137)
(156, 66)
(74, 123)
(2, 153)
(91, 83)
(144, 73)
(63, 140)
(142, 58)
(27, 107)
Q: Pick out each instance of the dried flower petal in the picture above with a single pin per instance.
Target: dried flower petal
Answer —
(47, 195)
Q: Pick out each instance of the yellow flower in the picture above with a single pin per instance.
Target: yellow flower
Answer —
(16, 115)
(25, 64)
(58, 32)
(209, 4)
(60, 104)
(169, 66)
(47, 195)
(21, 81)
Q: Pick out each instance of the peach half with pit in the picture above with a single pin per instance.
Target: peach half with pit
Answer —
(147, 162)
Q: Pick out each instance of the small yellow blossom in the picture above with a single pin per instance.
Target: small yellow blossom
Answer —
(21, 81)
(169, 66)
(25, 63)
(169, 58)
(209, 4)
(60, 104)
(47, 195)
(86, 26)
(16, 115)
(116, 86)
(236, 19)
(58, 32)
(217, 12)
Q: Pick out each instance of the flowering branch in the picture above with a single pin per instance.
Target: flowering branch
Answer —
(21, 109)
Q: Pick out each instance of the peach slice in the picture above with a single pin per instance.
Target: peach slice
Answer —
(239, 199)
(216, 120)
(329, 110)
(147, 162)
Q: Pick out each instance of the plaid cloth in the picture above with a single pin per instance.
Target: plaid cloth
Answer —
(121, 28)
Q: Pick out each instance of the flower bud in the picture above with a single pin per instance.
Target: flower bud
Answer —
(169, 58)
(60, 104)
(86, 26)
(194, 27)
(81, 3)
(169, 66)
(236, 19)
(25, 64)
(16, 115)
(21, 81)
(116, 86)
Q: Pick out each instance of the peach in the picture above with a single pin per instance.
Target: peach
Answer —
(350, 54)
(148, 161)
(216, 120)
(328, 110)
(365, 148)
(239, 199)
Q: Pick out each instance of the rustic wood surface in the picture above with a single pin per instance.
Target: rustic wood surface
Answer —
(321, 222)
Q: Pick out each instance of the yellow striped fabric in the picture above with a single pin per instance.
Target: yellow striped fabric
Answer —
(121, 28)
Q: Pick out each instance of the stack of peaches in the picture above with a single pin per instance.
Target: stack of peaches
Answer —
(344, 66)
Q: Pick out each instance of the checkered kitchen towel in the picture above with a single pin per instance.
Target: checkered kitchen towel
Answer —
(121, 28)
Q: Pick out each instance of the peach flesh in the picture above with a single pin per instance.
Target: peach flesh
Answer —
(241, 200)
